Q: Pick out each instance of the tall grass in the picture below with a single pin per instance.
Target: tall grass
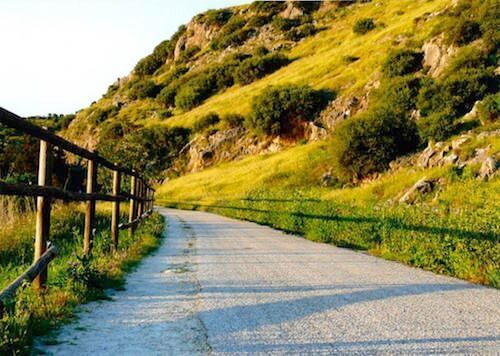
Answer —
(72, 279)
(463, 243)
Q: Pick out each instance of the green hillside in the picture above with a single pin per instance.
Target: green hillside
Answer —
(367, 124)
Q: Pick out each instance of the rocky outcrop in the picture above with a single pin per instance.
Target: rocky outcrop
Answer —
(198, 34)
(314, 132)
(488, 168)
(291, 11)
(228, 145)
(437, 55)
(342, 108)
(422, 187)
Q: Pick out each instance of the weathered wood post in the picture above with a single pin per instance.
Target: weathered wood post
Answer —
(141, 195)
(131, 215)
(115, 215)
(90, 208)
(42, 211)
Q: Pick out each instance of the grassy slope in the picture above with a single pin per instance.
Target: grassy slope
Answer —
(455, 233)
(318, 61)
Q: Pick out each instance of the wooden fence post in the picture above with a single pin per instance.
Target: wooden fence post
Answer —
(141, 195)
(90, 208)
(42, 211)
(115, 215)
(131, 215)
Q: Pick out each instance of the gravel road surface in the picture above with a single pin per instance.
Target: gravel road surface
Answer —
(222, 286)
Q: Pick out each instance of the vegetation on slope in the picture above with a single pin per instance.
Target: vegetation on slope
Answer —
(453, 231)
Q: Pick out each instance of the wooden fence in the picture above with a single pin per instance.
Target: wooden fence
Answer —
(141, 198)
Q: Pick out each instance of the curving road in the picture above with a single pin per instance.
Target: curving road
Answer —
(222, 286)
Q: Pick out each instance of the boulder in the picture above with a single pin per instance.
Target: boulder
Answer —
(314, 132)
(422, 187)
(488, 168)
(436, 55)
(424, 158)
(291, 11)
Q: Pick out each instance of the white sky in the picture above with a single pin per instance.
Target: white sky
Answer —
(57, 56)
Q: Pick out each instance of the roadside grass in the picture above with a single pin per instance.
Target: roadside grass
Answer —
(455, 230)
(72, 279)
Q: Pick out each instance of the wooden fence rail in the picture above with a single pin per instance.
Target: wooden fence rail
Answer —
(141, 198)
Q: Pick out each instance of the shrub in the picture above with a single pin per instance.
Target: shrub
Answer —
(216, 17)
(151, 150)
(457, 93)
(438, 126)
(467, 57)
(259, 20)
(100, 115)
(233, 120)
(277, 110)
(367, 143)
(144, 89)
(363, 26)
(465, 31)
(206, 121)
(402, 62)
(398, 94)
(268, 7)
(257, 67)
(149, 64)
(189, 97)
(296, 34)
(236, 38)
(282, 24)
(167, 94)
(489, 108)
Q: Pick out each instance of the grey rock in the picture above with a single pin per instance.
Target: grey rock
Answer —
(488, 168)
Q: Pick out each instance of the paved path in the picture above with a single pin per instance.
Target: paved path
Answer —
(220, 286)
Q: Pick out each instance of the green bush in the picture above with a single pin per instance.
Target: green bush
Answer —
(368, 143)
(233, 120)
(100, 115)
(206, 121)
(268, 7)
(149, 64)
(278, 110)
(437, 126)
(282, 24)
(216, 17)
(257, 67)
(457, 93)
(236, 38)
(144, 89)
(297, 33)
(189, 97)
(363, 26)
(398, 94)
(150, 150)
(489, 108)
(468, 57)
(167, 94)
(259, 20)
(464, 31)
(402, 62)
